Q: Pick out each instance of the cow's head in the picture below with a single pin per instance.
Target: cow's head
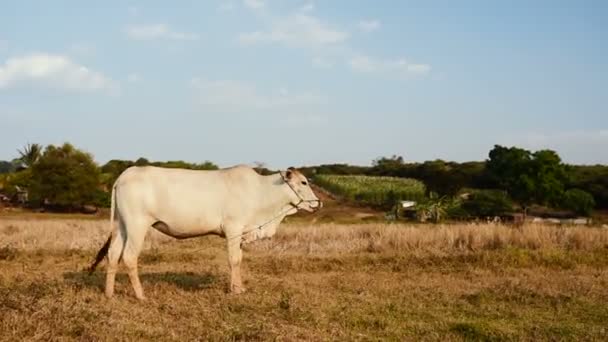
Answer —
(302, 196)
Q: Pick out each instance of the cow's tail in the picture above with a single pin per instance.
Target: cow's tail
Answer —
(106, 246)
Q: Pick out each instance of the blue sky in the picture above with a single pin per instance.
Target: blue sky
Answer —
(305, 82)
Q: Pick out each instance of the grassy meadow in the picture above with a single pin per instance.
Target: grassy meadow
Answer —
(321, 282)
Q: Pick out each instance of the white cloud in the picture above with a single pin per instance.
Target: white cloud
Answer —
(158, 31)
(418, 68)
(321, 63)
(369, 25)
(366, 64)
(226, 6)
(363, 64)
(298, 30)
(230, 95)
(254, 4)
(53, 71)
(308, 7)
(132, 78)
(82, 49)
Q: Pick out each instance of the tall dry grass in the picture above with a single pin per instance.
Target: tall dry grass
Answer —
(312, 283)
(65, 234)
(432, 238)
(327, 238)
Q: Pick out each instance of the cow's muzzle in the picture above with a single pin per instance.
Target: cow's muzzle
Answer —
(316, 207)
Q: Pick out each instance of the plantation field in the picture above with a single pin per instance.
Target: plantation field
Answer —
(320, 282)
(375, 191)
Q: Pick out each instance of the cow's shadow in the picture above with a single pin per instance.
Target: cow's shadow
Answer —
(187, 281)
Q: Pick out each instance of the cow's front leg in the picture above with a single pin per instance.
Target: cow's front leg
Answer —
(235, 255)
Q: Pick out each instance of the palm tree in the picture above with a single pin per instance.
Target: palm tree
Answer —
(435, 208)
(30, 154)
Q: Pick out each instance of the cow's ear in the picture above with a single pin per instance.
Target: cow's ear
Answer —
(288, 174)
(291, 168)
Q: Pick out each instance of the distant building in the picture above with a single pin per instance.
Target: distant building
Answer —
(407, 204)
(21, 195)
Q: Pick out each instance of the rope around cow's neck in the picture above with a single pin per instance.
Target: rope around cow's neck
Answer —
(242, 235)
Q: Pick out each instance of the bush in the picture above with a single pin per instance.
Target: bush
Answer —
(102, 199)
(579, 201)
(484, 203)
(21, 179)
(65, 177)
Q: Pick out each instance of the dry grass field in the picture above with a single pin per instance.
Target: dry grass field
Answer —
(317, 282)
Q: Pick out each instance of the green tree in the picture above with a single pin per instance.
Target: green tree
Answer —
(592, 179)
(549, 174)
(527, 177)
(17, 180)
(111, 170)
(579, 201)
(385, 166)
(441, 177)
(510, 169)
(206, 165)
(65, 177)
(30, 154)
(142, 162)
(6, 167)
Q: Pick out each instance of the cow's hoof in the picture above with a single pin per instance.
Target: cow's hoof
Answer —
(238, 290)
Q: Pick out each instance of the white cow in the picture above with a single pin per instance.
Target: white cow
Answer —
(236, 203)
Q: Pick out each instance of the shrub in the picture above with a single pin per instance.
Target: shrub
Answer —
(488, 203)
(579, 201)
(65, 177)
(12, 181)
(102, 199)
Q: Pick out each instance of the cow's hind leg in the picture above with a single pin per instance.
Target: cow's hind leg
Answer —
(136, 233)
(116, 248)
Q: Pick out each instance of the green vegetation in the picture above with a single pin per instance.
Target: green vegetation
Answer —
(510, 178)
(579, 201)
(30, 154)
(530, 178)
(484, 203)
(375, 191)
(592, 179)
(510, 175)
(64, 178)
(112, 169)
(6, 167)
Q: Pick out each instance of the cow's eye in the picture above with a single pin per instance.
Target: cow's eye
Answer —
(304, 183)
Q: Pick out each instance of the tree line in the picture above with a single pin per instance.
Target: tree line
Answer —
(509, 174)
(66, 178)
